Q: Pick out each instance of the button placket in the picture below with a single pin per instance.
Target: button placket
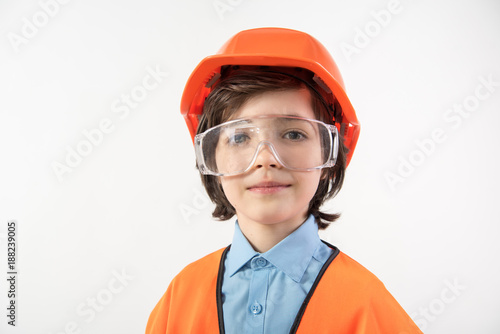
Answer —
(257, 295)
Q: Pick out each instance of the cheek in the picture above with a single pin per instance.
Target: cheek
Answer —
(230, 188)
(310, 183)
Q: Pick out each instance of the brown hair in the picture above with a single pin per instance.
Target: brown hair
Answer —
(229, 95)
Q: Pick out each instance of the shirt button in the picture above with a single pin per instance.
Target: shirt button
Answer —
(256, 308)
(261, 262)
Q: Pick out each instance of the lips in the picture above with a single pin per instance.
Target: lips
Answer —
(268, 187)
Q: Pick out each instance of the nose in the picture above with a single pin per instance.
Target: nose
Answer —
(266, 156)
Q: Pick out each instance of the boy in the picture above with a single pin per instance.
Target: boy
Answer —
(275, 132)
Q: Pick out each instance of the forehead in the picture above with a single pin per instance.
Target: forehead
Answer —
(288, 102)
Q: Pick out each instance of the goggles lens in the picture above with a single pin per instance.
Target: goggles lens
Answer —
(297, 143)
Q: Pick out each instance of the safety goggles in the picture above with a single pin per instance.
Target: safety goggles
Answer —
(297, 143)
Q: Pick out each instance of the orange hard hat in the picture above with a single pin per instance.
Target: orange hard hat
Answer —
(274, 47)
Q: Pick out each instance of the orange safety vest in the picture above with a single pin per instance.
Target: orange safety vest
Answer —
(345, 299)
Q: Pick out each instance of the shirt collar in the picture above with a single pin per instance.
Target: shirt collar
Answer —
(291, 255)
(240, 252)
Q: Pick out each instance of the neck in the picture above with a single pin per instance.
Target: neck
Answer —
(263, 237)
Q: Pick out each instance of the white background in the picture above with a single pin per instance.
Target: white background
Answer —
(134, 205)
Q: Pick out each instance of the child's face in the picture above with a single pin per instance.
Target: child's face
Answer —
(269, 193)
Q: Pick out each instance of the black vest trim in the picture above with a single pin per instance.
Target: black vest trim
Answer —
(298, 318)
(220, 278)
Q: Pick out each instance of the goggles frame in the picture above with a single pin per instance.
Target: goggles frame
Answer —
(205, 170)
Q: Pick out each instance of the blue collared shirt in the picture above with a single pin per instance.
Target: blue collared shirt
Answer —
(263, 292)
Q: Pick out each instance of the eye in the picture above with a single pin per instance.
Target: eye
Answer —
(294, 135)
(238, 139)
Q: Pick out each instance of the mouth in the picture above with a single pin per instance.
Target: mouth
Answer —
(268, 187)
